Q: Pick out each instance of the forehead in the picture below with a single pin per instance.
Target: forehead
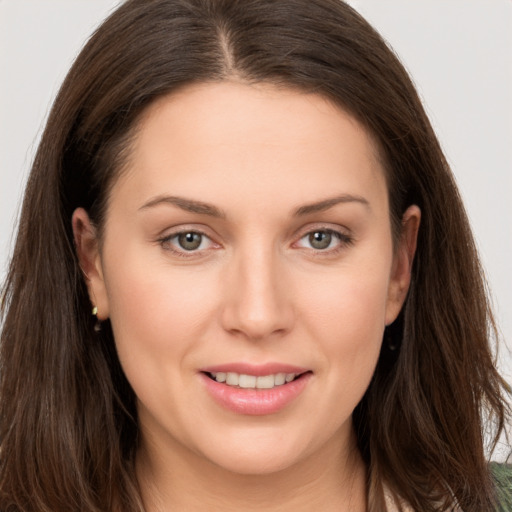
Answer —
(254, 141)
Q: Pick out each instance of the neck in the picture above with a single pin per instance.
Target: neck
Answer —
(333, 479)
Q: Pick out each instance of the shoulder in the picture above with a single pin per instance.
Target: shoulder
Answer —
(502, 477)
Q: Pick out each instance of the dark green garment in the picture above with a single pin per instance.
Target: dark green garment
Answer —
(502, 476)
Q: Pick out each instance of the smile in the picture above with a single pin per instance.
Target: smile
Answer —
(242, 380)
(255, 390)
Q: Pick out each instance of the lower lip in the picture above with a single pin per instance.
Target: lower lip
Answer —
(255, 402)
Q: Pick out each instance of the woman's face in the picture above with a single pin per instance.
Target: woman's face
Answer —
(248, 240)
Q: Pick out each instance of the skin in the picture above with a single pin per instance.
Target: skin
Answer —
(255, 291)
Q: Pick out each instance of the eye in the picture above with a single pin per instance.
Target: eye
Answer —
(320, 239)
(187, 241)
(323, 240)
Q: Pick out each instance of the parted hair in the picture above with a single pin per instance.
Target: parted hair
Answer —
(68, 417)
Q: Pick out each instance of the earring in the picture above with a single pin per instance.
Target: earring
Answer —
(97, 325)
(393, 335)
(391, 343)
(388, 339)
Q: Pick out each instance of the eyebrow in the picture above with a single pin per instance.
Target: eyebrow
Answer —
(193, 206)
(326, 204)
(189, 205)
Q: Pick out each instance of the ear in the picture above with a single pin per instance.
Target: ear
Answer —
(400, 278)
(87, 248)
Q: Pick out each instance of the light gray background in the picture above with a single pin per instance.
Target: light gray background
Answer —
(459, 53)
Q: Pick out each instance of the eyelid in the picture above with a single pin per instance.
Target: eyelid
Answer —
(165, 241)
(342, 234)
(322, 226)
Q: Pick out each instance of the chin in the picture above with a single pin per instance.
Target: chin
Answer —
(252, 456)
(257, 464)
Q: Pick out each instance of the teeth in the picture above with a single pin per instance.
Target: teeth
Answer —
(280, 379)
(265, 382)
(247, 381)
(253, 382)
(220, 377)
(232, 379)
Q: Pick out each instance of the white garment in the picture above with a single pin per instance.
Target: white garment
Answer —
(392, 507)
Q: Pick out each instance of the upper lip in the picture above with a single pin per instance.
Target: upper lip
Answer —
(257, 370)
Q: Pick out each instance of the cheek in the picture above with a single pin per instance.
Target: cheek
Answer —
(157, 314)
(347, 316)
(352, 332)
(350, 301)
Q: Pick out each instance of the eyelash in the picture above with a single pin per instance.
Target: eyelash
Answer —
(166, 243)
(344, 241)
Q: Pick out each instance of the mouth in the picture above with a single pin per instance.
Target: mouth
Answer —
(247, 381)
(255, 389)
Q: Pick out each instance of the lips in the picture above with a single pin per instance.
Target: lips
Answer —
(252, 381)
(255, 390)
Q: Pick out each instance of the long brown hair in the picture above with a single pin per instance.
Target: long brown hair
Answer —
(68, 421)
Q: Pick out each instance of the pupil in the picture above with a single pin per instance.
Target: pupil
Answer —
(320, 239)
(189, 241)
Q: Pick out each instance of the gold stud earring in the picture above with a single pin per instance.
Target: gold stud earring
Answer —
(97, 325)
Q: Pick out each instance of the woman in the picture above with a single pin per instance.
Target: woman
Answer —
(288, 310)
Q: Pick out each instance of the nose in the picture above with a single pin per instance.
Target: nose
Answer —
(258, 302)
